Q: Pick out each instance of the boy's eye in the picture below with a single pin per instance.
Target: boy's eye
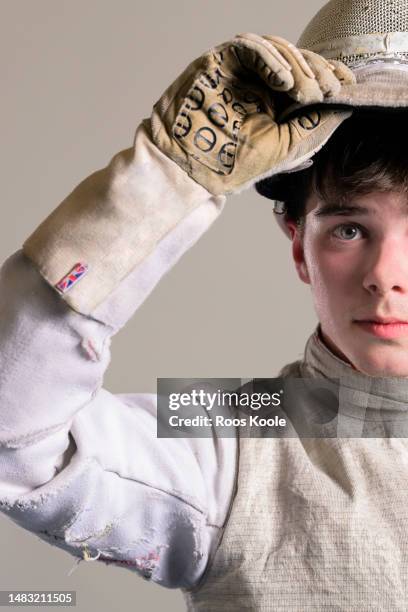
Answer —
(347, 231)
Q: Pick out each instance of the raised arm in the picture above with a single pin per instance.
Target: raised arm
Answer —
(80, 467)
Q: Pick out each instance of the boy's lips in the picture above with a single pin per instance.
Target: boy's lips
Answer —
(385, 320)
(384, 327)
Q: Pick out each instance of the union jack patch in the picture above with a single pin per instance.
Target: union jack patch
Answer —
(67, 282)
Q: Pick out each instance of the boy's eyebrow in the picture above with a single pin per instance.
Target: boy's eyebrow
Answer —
(328, 209)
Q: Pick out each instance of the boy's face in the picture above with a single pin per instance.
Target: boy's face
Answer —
(355, 258)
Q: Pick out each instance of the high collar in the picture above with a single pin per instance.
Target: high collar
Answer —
(360, 396)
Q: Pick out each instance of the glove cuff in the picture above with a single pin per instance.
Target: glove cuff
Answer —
(111, 222)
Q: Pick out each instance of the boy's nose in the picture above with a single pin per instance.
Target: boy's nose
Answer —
(388, 270)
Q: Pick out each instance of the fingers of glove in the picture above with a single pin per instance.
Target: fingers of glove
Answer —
(324, 72)
(343, 72)
(262, 42)
(259, 55)
(294, 53)
(306, 88)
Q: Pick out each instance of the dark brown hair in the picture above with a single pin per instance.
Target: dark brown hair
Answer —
(368, 152)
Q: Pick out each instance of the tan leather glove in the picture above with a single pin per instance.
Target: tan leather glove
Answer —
(218, 120)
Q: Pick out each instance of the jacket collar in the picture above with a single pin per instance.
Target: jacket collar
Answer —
(360, 395)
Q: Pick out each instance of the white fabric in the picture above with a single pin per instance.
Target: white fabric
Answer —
(82, 468)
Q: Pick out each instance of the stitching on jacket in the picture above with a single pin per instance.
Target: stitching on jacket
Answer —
(164, 491)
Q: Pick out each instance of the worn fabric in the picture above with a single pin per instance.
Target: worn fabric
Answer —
(82, 468)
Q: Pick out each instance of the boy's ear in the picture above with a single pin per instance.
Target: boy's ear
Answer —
(298, 252)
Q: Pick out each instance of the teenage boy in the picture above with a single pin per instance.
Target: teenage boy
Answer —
(265, 524)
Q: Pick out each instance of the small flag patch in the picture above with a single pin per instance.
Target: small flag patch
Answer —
(77, 272)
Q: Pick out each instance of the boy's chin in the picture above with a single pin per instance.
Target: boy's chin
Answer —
(388, 361)
(369, 355)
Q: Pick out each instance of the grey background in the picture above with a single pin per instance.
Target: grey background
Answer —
(76, 79)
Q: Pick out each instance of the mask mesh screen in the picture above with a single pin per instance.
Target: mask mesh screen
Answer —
(341, 18)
